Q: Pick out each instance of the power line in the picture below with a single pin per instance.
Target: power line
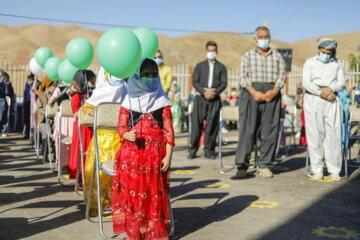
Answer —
(108, 25)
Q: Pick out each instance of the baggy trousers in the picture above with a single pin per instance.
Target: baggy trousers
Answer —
(3, 115)
(209, 111)
(323, 133)
(258, 120)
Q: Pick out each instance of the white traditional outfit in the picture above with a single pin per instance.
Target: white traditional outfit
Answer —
(323, 118)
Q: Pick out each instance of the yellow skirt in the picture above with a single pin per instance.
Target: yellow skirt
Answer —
(109, 144)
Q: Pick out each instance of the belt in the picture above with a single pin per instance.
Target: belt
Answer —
(336, 93)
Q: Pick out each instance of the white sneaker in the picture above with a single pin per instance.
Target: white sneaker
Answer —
(4, 135)
(335, 177)
(318, 176)
(224, 130)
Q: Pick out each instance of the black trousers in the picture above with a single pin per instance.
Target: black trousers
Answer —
(258, 120)
(209, 111)
(26, 107)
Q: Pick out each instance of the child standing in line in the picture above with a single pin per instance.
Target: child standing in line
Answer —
(140, 189)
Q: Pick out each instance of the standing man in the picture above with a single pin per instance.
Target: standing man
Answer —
(262, 74)
(209, 80)
(323, 78)
(165, 72)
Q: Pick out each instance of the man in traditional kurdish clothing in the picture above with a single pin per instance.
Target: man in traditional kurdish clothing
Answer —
(323, 78)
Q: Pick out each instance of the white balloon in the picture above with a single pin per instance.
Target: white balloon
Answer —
(35, 68)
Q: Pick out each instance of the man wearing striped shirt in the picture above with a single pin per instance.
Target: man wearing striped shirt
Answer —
(262, 76)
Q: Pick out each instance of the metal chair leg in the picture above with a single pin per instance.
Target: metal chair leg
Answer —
(37, 141)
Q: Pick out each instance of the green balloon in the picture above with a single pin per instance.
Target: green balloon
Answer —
(80, 52)
(148, 40)
(119, 52)
(66, 71)
(51, 68)
(42, 55)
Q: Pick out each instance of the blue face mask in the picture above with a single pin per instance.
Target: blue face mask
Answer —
(325, 58)
(158, 60)
(149, 84)
(263, 44)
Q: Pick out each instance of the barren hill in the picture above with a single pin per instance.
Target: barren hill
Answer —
(18, 44)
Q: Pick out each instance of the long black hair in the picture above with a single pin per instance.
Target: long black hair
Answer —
(81, 77)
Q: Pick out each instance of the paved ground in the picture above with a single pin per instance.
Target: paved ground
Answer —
(206, 204)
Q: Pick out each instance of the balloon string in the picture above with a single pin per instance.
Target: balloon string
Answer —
(87, 87)
(131, 113)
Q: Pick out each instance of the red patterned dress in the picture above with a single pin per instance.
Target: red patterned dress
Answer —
(139, 195)
(86, 132)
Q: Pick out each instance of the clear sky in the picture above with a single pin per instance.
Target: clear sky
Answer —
(289, 20)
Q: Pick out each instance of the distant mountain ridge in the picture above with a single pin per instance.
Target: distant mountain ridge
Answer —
(18, 44)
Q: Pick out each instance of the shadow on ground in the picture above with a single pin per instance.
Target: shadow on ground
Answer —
(340, 208)
(191, 219)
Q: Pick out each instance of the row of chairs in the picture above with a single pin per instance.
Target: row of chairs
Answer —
(106, 117)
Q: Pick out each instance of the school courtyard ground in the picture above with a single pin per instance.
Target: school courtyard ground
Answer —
(206, 204)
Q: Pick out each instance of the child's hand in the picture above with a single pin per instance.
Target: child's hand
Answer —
(130, 136)
(165, 164)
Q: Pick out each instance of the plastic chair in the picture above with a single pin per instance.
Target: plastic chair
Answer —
(65, 111)
(82, 121)
(231, 113)
(50, 113)
(290, 123)
(106, 117)
(40, 104)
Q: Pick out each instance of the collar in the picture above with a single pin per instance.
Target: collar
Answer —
(210, 62)
(269, 52)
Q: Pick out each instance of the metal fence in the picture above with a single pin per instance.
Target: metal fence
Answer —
(182, 73)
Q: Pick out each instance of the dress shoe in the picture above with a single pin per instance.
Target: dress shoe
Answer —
(241, 173)
(191, 156)
(210, 155)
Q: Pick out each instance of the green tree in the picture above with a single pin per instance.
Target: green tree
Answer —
(354, 65)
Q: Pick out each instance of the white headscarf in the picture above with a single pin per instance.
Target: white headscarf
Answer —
(141, 98)
(107, 89)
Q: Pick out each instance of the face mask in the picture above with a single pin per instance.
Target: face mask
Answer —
(263, 44)
(324, 57)
(158, 60)
(148, 84)
(211, 55)
(233, 93)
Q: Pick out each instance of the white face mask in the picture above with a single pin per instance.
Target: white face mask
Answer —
(211, 55)
(263, 44)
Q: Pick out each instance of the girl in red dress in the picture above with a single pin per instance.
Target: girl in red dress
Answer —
(79, 88)
(140, 189)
